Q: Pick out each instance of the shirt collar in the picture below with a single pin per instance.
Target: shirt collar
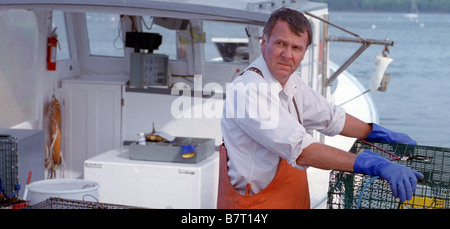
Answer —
(290, 88)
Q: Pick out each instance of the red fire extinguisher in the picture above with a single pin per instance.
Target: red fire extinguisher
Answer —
(52, 42)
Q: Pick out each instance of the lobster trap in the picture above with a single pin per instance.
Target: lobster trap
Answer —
(9, 170)
(60, 203)
(357, 191)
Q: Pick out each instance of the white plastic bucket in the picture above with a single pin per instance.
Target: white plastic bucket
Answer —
(73, 189)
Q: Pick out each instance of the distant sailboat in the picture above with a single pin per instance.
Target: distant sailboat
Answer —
(414, 14)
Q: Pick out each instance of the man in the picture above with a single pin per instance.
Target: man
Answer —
(264, 166)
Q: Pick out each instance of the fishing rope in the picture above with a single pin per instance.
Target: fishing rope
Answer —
(354, 97)
(364, 189)
(2, 190)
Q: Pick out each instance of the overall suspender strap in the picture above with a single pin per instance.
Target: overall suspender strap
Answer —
(254, 69)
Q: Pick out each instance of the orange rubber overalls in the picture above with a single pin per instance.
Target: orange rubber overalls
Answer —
(288, 189)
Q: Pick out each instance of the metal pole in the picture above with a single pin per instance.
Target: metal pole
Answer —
(325, 55)
(347, 63)
(359, 40)
(365, 44)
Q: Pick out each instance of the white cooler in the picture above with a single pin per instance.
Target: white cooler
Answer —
(152, 184)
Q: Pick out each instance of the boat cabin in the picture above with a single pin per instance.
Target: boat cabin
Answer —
(200, 44)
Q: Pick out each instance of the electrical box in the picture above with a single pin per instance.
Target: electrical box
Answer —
(148, 69)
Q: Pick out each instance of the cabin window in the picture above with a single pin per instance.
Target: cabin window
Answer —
(104, 34)
(225, 42)
(168, 45)
(59, 23)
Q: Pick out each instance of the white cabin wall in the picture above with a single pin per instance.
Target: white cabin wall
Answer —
(50, 82)
(44, 83)
(65, 69)
(22, 69)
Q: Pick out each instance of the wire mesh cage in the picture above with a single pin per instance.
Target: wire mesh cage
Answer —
(60, 203)
(353, 191)
(9, 171)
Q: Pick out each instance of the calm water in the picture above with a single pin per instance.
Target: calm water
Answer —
(417, 101)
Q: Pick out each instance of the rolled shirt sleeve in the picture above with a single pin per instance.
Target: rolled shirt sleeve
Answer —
(319, 114)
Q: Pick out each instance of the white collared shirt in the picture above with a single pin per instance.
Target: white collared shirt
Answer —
(257, 136)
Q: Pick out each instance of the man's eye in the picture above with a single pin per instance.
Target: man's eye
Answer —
(298, 48)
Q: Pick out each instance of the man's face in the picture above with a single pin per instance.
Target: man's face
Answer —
(283, 51)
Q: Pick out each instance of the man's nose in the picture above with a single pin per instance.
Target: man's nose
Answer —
(287, 52)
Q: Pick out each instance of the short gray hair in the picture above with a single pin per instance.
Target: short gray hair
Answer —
(298, 23)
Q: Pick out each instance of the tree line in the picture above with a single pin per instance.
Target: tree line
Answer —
(438, 6)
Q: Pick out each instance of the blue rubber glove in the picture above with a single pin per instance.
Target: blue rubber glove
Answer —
(381, 134)
(401, 179)
(187, 151)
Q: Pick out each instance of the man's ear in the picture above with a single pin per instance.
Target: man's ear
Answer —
(263, 42)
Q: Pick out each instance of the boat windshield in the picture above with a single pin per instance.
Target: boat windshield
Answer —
(225, 42)
(104, 35)
(167, 46)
